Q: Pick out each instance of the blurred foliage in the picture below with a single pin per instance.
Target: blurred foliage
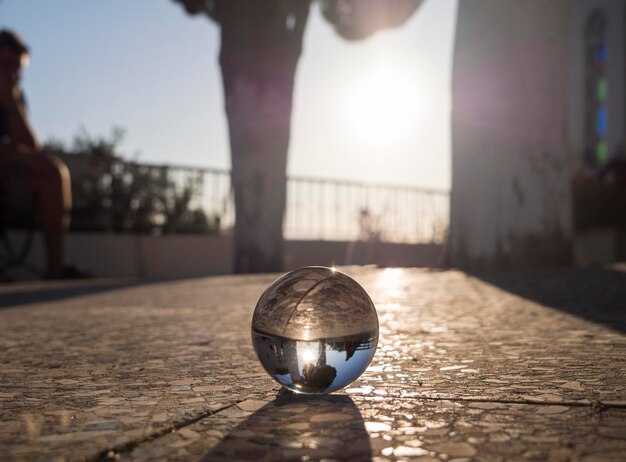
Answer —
(352, 19)
(359, 19)
(113, 194)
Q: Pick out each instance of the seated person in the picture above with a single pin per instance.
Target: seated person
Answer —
(47, 177)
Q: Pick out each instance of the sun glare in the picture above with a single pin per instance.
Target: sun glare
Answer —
(382, 107)
(308, 353)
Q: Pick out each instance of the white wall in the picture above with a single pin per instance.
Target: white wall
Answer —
(178, 256)
(126, 255)
(510, 201)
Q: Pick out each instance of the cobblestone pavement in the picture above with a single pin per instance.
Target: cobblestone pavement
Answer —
(519, 366)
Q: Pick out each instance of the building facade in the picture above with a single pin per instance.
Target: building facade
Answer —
(538, 133)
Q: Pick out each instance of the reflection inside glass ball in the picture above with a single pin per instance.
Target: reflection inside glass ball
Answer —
(315, 330)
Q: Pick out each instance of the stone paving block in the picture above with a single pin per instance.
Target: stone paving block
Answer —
(356, 427)
(490, 368)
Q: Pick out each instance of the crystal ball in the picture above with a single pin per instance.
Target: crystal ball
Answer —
(315, 330)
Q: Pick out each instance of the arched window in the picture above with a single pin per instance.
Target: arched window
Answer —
(596, 89)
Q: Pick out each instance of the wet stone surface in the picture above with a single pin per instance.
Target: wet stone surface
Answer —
(526, 366)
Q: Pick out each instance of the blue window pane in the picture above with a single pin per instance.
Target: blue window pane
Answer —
(601, 121)
(602, 53)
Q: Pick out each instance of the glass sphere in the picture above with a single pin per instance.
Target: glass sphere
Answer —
(315, 330)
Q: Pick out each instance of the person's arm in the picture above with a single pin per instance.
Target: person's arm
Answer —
(22, 134)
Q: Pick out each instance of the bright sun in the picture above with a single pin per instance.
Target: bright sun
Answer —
(382, 108)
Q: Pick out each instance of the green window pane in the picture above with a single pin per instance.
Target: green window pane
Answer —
(601, 90)
(601, 152)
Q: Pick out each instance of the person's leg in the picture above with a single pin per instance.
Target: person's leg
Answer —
(49, 180)
(54, 198)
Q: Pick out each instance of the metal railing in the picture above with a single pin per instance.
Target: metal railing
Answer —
(330, 209)
(347, 210)
(317, 208)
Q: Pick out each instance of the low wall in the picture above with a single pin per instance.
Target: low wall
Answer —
(328, 253)
(177, 256)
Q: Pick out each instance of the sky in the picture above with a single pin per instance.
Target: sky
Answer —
(376, 110)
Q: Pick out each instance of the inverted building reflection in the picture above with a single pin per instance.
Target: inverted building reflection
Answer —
(315, 366)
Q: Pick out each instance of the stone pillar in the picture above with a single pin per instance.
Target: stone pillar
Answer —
(510, 201)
